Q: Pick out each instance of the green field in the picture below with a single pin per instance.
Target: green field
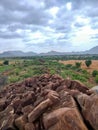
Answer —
(20, 68)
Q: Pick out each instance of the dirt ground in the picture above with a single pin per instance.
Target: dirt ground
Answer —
(94, 65)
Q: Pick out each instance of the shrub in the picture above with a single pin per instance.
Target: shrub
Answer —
(84, 72)
(78, 64)
(94, 73)
(6, 62)
(27, 75)
(96, 79)
(88, 63)
(74, 68)
(68, 65)
(13, 79)
(52, 71)
(79, 77)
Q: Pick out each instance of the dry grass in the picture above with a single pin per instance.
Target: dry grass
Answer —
(94, 65)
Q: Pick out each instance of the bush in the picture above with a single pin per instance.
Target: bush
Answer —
(27, 75)
(84, 72)
(79, 77)
(78, 64)
(88, 63)
(13, 79)
(96, 79)
(6, 62)
(74, 68)
(94, 73)
(52, 71)
(68, 65)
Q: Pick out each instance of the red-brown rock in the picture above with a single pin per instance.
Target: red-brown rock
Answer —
(89, 106)
(75, 84)
(64, 119)
(40, 109)
(29, 126)
(48, 102)
(20, 122)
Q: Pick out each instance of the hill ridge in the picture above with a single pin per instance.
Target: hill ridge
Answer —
(19, 53)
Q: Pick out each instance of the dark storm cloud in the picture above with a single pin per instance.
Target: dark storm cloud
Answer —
(17, 12)
(14, 5)
(37, 17)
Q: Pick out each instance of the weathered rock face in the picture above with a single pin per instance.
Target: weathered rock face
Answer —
(95, 89)
(48, 102)
(64, 119)
(89, 108)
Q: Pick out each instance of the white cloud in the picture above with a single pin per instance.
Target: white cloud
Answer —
(69, 6)
(13, 44)
(84, 20)
(53, 11)
(48, 25)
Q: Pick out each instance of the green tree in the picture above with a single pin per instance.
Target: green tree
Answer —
(88, 63)
(6, 62)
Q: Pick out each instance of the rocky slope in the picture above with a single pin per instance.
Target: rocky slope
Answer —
(48, 103)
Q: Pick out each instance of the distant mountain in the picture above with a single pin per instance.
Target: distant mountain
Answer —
(51, 53)
(30, 54)
(93, 50)
(17, 54)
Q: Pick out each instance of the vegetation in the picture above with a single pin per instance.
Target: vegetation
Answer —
(96, 78)
(94, 73)
(78, 64)
(6, 62)
(88, 63)
(18, 69)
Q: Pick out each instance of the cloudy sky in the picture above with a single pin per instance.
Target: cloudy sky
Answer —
(45, 25)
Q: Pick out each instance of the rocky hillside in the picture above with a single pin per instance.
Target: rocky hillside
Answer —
(93, 50)
(48, 102)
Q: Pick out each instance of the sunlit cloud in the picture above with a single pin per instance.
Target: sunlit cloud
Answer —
(69, 6)
(53, 11)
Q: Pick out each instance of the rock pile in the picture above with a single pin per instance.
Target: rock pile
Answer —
(48, 102)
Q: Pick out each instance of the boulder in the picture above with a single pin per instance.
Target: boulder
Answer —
(64, 118)
(89, 108)
(27, 109)
(4, 115)
(48, 102)
(75, 84)
(40, 109)
(95, 89)
(53, 96)
(20, 122)
(29, 126)
(2, 104)
(28, 99)
(8, 123)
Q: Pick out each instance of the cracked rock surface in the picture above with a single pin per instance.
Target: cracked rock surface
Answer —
(48, 102)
